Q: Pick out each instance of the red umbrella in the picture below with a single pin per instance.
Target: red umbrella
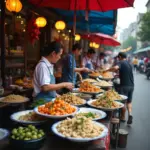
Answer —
(87, 5)
(101, 39)
(98, 5)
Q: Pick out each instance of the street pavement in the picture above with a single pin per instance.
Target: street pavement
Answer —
(139, 132)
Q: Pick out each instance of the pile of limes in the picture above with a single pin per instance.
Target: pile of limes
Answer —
(27, 133)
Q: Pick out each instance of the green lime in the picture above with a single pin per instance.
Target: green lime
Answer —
(34, 137)
(20, 128)
(17, 138)
(13, 137)
(42, 133)
(23, 134)
(28, 134)
(25, 139)
(39, 136)
(34, 133)
(33, 128)
(40, 130)
(21, 137)
(20, 131)
(14, 131)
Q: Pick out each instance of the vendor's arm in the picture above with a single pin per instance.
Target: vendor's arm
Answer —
(43, 78)
(81, 69)
(54, 87)
(113, 69)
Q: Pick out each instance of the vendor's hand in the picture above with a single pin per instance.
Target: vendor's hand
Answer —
(86, 70)
(57, 95)
(68, 85)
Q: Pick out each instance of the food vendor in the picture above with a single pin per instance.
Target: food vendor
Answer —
(87, 62)
(99, 61)
(44, 80)
(69, 68)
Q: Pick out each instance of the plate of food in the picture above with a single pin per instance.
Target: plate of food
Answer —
(83, 96)
(88, 88)
(103, 84)
(12, 98)
(113, 95)
(95, 75)
(80, 129)
(106, 105)
(106, 76)
(28, 117)
(92, 113)
(90, 80)
(123, 98)
(56, 109)
(72, 99)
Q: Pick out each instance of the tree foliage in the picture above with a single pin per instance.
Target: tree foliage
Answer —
(144, 33)
(131, 41)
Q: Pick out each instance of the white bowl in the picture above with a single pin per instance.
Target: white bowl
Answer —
(3, 133)
(103, 108)
(102, 135)
(15, 117)
(54, 116)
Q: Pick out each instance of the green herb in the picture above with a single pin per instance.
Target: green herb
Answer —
(89, 115)
(38, 103)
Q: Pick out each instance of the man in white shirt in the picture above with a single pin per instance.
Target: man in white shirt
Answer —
(44, 80)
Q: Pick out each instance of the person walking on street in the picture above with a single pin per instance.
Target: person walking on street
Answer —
(126, 84)
(135, 63)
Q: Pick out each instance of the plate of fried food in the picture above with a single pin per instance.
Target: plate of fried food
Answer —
(80, 129)
(56, 109)
(95, 75)
(90, 80)
(72, 99)
(12, 98)
(28, 117)
(88, 88)
(106, 75)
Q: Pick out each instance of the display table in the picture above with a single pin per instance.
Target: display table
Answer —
(55, 143)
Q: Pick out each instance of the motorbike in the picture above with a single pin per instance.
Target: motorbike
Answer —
(142, 68)
(147, 72)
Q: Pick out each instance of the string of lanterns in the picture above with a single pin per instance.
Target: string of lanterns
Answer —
(94, 45)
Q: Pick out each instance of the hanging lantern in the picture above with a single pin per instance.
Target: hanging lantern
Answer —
(60, 25)
(92, 44)
(41, 22)
(77, 37)
(14, 5)
(96, 45)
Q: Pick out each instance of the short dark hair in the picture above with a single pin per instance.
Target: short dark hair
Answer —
(91, 51)
(76, 46)
(122, 55)
(51, 47)
(102, 54)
